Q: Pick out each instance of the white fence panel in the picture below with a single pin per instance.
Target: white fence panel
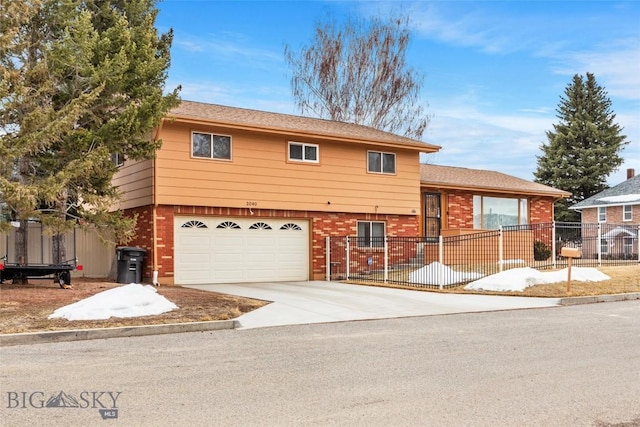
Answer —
(95, 257)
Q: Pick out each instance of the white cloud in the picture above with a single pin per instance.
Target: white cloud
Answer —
(228, 48)
(616, 67)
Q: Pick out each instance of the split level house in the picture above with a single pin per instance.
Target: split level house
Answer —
(238, 195)
(616, 210)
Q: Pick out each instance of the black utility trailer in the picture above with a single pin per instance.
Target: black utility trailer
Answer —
(61, 272)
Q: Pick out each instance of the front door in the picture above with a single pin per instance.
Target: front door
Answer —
(432, 217)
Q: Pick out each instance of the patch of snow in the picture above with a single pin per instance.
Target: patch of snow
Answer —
(430, 275)
(512, 261)
(518, 279)
(132, 300)
(621, 199)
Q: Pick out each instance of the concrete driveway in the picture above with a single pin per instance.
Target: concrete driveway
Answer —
(297, 303)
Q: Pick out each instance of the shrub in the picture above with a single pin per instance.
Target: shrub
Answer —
(541, 252)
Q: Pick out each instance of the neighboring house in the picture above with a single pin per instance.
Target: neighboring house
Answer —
(237, 195)
(617, 211)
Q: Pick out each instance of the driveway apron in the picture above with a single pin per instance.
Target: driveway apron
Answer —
(294, 303)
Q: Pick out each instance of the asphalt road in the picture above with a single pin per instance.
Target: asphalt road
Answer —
(564, 366)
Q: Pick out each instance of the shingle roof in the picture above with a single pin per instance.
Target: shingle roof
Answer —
(476, 179)
(625, 193)
(290, 124)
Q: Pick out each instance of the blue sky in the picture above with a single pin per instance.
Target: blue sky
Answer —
(493, 71)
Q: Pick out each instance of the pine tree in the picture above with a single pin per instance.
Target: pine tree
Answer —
(80, 80)
(584, 147)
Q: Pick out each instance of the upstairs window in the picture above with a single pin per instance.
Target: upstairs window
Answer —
(117, 159)
(210, 146)
(300, 152)
(627, 213)
(379, 162)
(602, 214)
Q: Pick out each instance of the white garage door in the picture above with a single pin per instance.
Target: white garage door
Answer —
(233, 250)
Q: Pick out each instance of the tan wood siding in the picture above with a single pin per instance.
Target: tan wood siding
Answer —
(260, 176)
(135, 182)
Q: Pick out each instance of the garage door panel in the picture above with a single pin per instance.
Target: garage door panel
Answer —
(246, 250)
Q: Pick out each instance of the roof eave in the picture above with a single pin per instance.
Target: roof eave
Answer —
(558, 195)
(419, 147)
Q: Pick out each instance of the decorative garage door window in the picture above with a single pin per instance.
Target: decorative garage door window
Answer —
(194, 224)
(260, 226)
(229, 225)
(291, 226)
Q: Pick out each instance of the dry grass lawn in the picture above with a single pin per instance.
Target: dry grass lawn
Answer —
(624, 279)
(25, 308)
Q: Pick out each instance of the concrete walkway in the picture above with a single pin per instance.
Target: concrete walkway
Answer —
(297, 303)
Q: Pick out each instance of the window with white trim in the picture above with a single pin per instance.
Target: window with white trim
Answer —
(627, 213)
(379, 162)
(210, 146)
(602, 214)
(370, 234)
(302, 152)
(117, 159)
(627, 245)
(492, 212)
(604, 246)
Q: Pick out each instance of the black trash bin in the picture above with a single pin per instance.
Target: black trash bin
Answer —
(130, 264)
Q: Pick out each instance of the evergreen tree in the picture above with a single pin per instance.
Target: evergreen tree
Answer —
(584, 147)
(358, 74)
(79, 81)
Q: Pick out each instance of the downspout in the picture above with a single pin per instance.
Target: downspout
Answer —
(154, 214)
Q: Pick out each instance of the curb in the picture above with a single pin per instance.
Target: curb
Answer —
(599, 298)
(7, 340)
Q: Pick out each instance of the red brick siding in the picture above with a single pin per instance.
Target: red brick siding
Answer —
(322, 225)
(459, 210)
(540, 210)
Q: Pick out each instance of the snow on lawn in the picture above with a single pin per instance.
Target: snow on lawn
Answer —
(518, 279)
(131, 300)
(430, 275)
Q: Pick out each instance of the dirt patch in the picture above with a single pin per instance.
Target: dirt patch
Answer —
(25, 308)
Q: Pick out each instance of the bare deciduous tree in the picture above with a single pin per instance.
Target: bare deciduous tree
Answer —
(358, 74)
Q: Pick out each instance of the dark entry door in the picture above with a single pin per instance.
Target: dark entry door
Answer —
(432, 217)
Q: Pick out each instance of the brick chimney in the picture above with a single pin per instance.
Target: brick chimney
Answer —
(631, 173)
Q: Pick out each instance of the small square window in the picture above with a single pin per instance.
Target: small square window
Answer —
(627, 213)
(300, 152)
(370, 234)
(378, 162)
(117, 159)
(210, 146)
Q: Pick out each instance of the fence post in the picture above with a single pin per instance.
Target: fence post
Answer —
(440, 261)
(386, 259)
(599, 244)
(348, 253)
(500, 249)
(638, 243)
(327, 255)
(553, 244)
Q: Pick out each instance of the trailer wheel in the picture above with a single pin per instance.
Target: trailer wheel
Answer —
(64, 279)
